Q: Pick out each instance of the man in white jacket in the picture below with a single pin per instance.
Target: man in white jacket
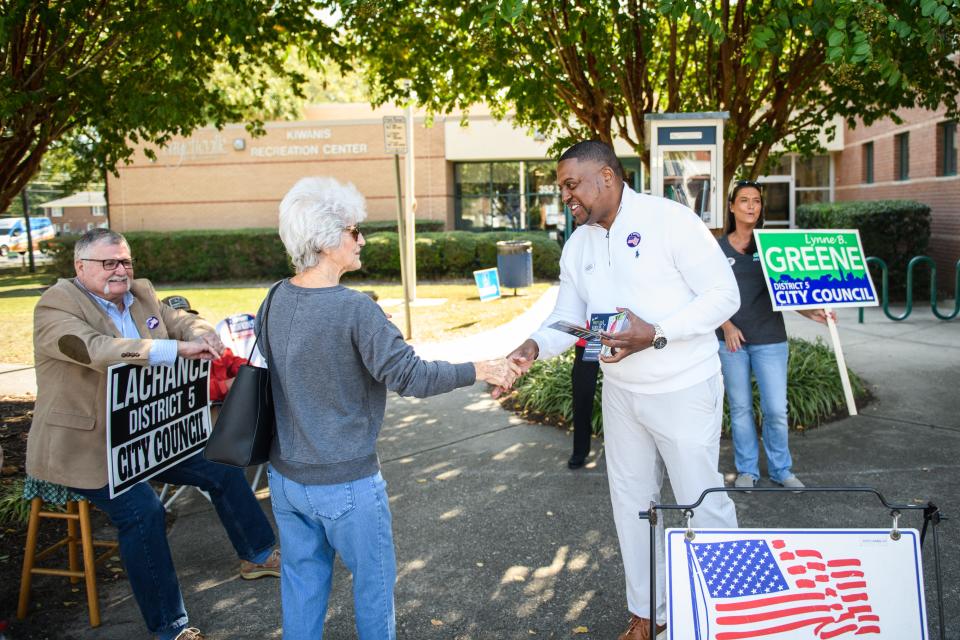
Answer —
(662, 389)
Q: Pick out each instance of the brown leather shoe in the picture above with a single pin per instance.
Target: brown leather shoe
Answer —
(269, 567)
(639, 629)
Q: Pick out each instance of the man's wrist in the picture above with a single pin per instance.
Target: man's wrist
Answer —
(535, 348)
(163, 352)
(659, 337)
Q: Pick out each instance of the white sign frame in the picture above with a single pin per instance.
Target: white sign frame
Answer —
(885, 565)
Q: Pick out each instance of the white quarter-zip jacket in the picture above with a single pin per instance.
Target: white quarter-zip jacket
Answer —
(661, 262)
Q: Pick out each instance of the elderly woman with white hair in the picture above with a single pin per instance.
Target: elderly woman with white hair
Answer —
(333, 353)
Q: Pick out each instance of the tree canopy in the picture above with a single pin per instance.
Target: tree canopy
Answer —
(575, 69)
(116, 73)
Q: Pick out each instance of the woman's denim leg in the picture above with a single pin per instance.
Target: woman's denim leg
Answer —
(736, 381)
(140, 520)
(306, 573)
(364, 540)
(769, 364)
(318, 521)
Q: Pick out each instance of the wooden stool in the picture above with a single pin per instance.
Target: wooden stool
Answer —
(78, 511)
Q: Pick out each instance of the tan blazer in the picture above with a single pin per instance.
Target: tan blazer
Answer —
(74, 341)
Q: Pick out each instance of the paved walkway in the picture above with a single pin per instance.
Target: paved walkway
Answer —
(496, 539)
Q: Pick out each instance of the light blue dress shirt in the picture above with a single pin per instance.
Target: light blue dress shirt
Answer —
(161, 352)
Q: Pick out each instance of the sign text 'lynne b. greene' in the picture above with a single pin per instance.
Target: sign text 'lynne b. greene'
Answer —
(815, 268)
(156, 417)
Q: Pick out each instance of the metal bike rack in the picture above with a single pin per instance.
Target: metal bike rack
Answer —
(931, 517)
(915, 261)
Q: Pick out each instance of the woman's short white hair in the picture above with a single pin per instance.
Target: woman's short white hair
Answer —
(314, 214)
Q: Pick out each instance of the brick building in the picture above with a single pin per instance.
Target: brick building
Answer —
(485, 175)
(914, 160)
(488, 175)
(77, 212)
(481, 175)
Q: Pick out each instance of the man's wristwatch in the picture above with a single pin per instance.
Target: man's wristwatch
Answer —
(659, 340)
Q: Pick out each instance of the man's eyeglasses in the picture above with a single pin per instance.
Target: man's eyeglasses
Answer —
(110, 264)
(353, 230)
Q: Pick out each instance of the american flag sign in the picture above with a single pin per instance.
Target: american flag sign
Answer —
(794, 585)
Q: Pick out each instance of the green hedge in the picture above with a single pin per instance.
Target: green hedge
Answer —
(378, 226)
(196, 255)
(894, 230)
(814, 391)
(258, 254)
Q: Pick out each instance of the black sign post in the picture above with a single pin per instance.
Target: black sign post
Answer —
(395, 142)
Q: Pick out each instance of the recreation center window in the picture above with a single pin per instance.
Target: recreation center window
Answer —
(812, 179)
(947, 147)
(868, 163)
(518, 195)
(901, 158)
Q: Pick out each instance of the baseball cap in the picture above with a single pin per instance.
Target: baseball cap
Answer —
(178, 302)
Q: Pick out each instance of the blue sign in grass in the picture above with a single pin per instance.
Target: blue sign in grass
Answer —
(488, 283)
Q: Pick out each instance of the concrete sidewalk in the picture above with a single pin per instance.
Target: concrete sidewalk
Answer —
(497, 539)
(17, 380)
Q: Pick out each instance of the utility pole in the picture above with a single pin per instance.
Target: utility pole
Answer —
(410, 201)
(394, 140)
(26, 219)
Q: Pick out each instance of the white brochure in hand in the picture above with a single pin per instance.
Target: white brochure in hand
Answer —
(599, 322)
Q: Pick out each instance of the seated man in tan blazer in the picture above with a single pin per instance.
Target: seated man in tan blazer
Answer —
(81, 327)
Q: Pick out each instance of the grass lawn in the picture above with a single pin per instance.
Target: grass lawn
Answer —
(461, 312)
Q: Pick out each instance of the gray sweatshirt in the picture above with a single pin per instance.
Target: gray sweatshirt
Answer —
(333, 355)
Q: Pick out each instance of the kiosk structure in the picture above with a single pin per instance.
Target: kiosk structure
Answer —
(686, 161)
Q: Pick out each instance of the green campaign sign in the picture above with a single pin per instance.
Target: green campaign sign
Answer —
(815, 268)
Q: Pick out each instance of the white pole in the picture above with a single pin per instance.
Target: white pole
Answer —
(523, 196)
(410, 198)
(841, 363)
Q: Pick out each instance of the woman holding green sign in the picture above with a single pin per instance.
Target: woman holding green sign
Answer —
(754, 341)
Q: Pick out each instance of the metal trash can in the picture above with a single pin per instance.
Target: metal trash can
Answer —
(515, 263)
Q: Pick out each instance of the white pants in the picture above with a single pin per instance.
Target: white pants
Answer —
(643, 434)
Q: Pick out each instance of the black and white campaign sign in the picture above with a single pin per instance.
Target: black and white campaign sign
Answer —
(156, 417)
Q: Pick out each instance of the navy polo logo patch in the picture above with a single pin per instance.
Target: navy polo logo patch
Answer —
(152, 322)
(633, 239)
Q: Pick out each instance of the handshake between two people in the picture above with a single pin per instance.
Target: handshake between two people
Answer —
(636, 336)
(500, 373)
(504, 372)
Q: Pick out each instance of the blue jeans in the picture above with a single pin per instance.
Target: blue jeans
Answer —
(140, 519)
(768, 362)
(315, 523)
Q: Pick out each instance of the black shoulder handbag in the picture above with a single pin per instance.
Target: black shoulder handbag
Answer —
(245, 426)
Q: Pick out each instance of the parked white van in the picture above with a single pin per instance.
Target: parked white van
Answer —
(13, 234)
